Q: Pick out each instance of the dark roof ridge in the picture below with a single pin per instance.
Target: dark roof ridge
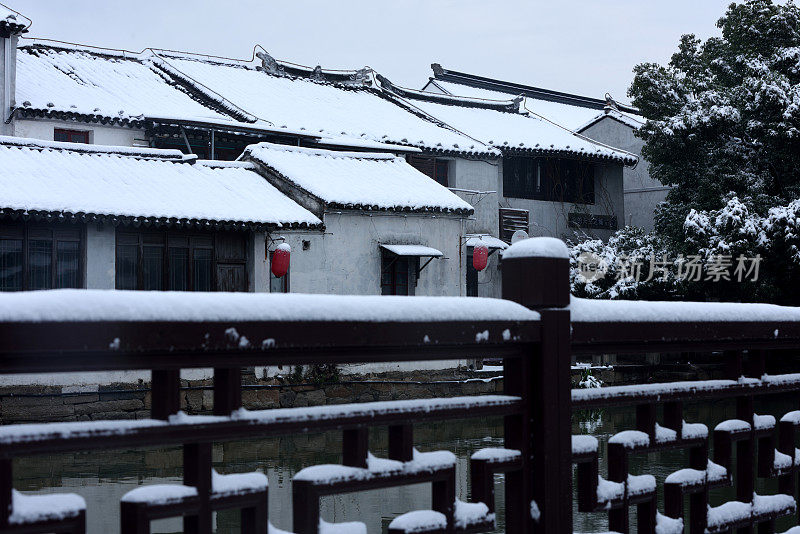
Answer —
(512, 105)
(483, 82)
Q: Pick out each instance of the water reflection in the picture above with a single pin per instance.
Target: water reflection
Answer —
(103, 477)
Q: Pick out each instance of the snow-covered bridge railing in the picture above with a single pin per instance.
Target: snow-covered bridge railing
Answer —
(535, 330)
(744, 449)
(76, 331)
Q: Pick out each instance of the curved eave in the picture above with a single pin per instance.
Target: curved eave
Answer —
(542, 151)
(428, 210)
(148, 222)
(65, 115)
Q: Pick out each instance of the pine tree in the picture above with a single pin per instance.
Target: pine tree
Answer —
(724, 116)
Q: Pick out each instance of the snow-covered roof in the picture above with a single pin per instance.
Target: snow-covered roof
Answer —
(568, 115)
(628, 119)
(353, 109)
(118, 87)
(346, 108)
(413, 250)
(518, 131)
(570, 110)
(356, 180)
(90, 182)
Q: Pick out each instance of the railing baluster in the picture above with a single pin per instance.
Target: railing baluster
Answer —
(197, 467)
(517, 435)
(618, 518)
(646, 420)
(443, 498)
(165, 391)
(355, 447)
(401, 443)
(745, 452)
(227, 390)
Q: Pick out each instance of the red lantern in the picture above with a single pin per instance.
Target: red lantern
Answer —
(280, 260)
(480, 256)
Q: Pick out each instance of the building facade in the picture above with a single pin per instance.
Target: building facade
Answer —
(603, 120)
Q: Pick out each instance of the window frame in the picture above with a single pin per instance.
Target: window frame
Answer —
(168, 240)
(84, 135)
(438, 169)
(391, 261)
(565, 180)
(55, 234)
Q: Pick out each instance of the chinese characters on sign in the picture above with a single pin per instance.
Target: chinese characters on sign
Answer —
(693, 268)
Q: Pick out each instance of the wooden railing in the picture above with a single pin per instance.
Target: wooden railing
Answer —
(536, 330)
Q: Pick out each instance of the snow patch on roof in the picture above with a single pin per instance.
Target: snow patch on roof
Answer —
(123, 86)
(522, 131)
(319, 107)
(356, 179)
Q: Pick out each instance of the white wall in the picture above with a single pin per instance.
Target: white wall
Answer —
(99, 134)
(346, 259)
(100, 256)
(478, 175)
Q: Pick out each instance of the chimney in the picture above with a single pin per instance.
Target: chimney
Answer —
(12, 25)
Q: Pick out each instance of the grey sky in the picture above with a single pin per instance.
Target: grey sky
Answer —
(584, 46)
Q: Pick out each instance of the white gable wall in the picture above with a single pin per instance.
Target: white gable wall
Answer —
(99, 134)
(642, 192)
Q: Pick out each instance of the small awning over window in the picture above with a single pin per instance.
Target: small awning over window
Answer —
(491, 242)
(413, 250)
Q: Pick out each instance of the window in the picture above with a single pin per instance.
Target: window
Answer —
(472, 275)
(398, 274)
(71, 136)
(278, 285)
(173, 261)
(435, 168)
(555, 180)
(40, 257)
(512, 220)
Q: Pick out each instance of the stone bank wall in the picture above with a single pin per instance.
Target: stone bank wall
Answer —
(25, 404)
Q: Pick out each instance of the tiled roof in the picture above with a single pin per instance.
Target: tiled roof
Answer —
(356, 180)
(511, 131)
(45, 179)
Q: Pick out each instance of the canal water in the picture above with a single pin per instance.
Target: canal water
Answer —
(102, 477)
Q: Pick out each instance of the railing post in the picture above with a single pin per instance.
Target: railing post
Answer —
(536, 275)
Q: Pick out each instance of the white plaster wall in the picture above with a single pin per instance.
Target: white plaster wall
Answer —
(478, 175)
(642, 192)
(346, 259)
(258, 266)
(100, 256)
(551, 218)
(99, 134)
